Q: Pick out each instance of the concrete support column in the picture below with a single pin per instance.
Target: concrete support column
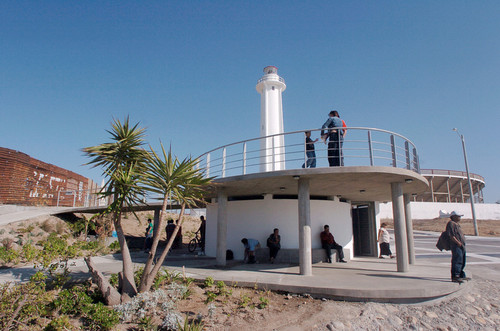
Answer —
(399, 227)
(305, 251)
(409, 228)
(221, 227)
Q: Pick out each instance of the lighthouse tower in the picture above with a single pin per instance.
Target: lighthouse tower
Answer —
(270, 87)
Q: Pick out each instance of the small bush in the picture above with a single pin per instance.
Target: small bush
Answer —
(244, 301)
(9, 255)
(60, 227)
(23, 303)
(47, 226)
(209, 282)
(264, 302)
(211, 296)
(60, 323)
(100, 317)
(7, 243)
(71, 301)
(114, 246)
(27, 229)
(77, 302)
(194, 325)
(30, 252)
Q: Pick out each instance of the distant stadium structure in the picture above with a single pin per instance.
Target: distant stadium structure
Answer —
(450, 186)
(448, 190)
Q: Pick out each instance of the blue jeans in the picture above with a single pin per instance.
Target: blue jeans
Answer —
(457, 261)
(311, 160)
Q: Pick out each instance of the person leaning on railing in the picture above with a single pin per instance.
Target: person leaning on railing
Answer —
(335, 138)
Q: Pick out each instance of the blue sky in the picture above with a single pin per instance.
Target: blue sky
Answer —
(187, 71)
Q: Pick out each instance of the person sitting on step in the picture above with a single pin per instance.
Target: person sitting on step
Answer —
(328, 242)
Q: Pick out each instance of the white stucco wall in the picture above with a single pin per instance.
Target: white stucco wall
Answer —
(257, 218)
(430, 210)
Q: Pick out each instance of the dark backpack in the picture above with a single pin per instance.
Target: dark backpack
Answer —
(229, 255)
(443, 241)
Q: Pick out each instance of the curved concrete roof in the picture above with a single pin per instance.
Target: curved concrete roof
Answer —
(347, 182)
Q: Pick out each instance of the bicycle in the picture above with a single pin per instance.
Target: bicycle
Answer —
(195, 242)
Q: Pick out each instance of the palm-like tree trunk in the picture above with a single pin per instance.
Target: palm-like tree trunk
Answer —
(110, 294)
(156, 239)
(147, 281)
(128, 287)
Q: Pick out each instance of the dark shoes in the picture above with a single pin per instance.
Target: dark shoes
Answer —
(343, 261)
(460, 280)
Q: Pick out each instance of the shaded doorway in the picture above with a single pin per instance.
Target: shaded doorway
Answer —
(364, 229)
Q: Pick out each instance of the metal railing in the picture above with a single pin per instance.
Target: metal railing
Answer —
(360, 147)
(263, 79)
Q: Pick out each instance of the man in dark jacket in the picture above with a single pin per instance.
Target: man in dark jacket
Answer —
(328, 242)
(457, 247)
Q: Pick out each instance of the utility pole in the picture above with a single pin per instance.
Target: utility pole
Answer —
(471, 197)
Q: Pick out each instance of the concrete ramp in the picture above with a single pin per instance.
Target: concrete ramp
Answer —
(12, 214)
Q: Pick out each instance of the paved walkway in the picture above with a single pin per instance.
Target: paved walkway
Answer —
(11, 213)
(362, 279)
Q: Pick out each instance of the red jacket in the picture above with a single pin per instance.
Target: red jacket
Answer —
(327, 238)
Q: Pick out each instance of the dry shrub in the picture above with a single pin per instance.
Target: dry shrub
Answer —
(7, 243)
(47, 226)
(61, 227)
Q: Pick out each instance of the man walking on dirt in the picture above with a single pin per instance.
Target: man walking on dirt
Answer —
(457, 247)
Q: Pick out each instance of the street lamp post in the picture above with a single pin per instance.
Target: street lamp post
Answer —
(471, 197)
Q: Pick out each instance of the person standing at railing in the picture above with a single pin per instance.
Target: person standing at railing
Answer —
(310, 152)
(335, 138)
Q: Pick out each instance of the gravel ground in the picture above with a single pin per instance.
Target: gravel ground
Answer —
(476, 308)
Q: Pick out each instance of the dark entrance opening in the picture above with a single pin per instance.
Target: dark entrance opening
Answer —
(363, 229)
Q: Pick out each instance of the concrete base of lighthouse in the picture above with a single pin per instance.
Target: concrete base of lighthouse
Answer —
(300, 202)
(257, 218)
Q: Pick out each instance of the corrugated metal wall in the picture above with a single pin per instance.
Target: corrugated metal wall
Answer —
(28, 181)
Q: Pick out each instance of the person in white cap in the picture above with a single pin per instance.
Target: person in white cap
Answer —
(457, 245)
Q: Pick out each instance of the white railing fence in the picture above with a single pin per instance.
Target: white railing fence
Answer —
(361, 147)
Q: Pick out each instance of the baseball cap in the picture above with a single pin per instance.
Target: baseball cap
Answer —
(454, 213)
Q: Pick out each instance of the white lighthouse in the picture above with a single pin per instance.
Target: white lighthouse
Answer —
(270, 87)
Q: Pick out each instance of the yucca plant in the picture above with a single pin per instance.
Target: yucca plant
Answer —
(173, 180)
(123, 162)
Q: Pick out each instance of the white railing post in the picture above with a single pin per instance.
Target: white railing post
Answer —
(244, 158)
(272, 151)
(305, 152)
(224, 162)
(393, 149)
(415, 159)
(208, 165)
(370, 147)
(407, 152)
(74, 198)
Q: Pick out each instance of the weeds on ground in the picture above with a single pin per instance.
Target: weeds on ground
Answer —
(194, 325)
